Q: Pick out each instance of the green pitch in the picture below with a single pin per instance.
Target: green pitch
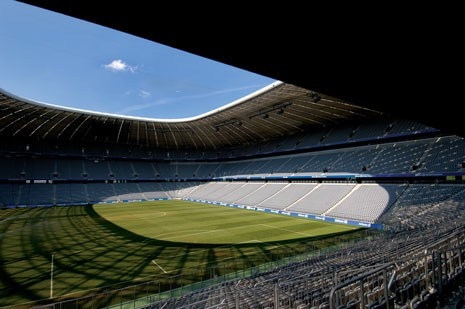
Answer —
(110, 246)
(196, 223)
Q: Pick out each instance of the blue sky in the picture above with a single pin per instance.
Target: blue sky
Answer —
(57, 59)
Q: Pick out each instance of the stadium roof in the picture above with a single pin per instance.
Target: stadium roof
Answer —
(275, 111)
(397, 60)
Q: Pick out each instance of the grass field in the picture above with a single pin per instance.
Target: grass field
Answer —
(109, 246)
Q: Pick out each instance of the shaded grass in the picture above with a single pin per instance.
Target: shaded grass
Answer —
(109, 246)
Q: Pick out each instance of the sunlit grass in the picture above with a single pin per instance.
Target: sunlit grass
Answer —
(187, 222)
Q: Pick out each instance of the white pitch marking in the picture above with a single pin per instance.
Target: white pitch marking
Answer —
(278, 228)
(153, 261)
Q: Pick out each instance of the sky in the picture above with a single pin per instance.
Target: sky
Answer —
(56, 59)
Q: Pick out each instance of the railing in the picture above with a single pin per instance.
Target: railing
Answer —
(427, 276)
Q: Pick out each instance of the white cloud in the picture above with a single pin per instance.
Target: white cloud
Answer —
(119, 66)
(144, 94)
(173, 100)
(143, 106)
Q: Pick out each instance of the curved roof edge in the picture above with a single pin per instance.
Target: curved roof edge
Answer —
(168, 120)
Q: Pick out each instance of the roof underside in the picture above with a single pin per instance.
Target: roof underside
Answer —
(282, 110)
